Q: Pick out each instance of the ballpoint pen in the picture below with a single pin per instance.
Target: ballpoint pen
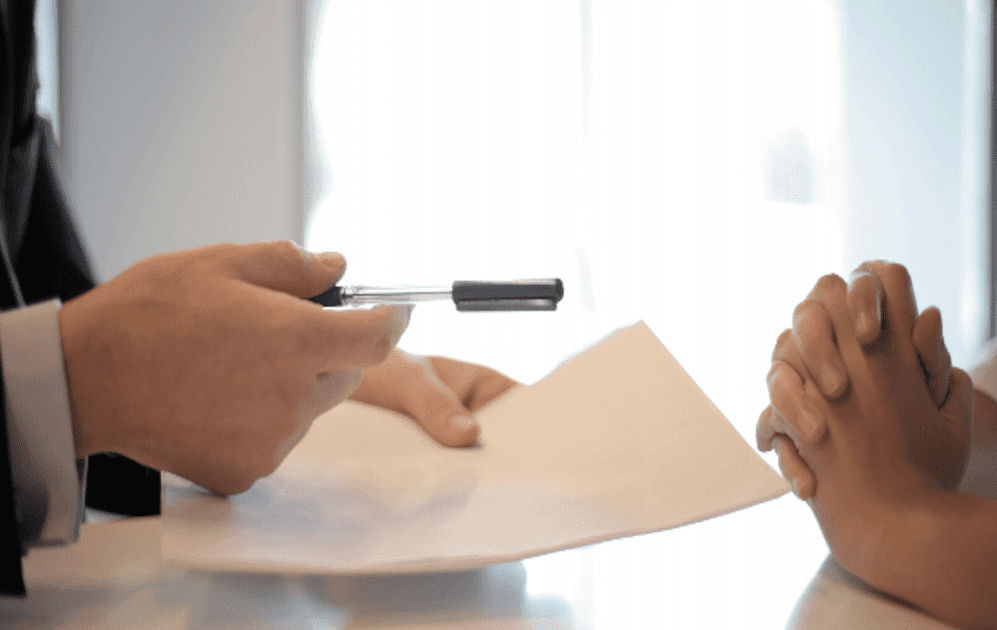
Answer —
(467, 295)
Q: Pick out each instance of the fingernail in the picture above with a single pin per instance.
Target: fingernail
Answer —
(865, 324)
(796, 487)
(462, 423)
(331, 259)
(810, 425)
(832, 379)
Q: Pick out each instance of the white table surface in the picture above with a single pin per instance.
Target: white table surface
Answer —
(737, 571)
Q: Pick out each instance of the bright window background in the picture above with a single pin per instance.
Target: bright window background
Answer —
(694, 164)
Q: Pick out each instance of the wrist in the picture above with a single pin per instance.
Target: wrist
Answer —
(78, 349)
(904, 531)
(872, 537)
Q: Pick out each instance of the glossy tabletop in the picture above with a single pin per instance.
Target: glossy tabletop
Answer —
(743, 570)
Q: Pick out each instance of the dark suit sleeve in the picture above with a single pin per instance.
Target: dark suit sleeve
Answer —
(44, 257)
(52, 261)
(11, 582)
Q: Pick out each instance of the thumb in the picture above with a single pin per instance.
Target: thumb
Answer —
(408, 384)
(439, 412)
(285, 266)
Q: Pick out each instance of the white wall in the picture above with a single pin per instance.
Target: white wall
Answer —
(916, 151)
(181, 123)
(47, 54)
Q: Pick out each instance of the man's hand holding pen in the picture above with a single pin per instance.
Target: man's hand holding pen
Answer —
(208, 364)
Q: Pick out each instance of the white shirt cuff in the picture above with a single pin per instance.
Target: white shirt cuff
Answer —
(48, 495)
(984, 373)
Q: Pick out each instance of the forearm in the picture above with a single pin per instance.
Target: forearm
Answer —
(941, 556)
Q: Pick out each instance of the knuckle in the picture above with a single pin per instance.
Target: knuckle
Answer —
(801, 310)
(830, 284)
(860, 274)
(872, 266)
(806, 314)
(765, 426)
(289, 252)
(814, 342)
(802, 306)
(896, 274)
(774, 373)
(782, 342)
(778, 375)
(381, 346)
(863, 286)
(285, 246)
(863, 296)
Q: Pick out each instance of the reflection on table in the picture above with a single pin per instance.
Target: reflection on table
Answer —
(743, 570)
(836, 599)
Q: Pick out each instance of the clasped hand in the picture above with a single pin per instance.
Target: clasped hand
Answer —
(875, 428)
(864, 345)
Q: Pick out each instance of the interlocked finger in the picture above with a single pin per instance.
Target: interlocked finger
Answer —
(794, 469)
(787, 394)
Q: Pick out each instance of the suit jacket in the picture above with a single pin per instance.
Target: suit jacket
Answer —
(41, 256)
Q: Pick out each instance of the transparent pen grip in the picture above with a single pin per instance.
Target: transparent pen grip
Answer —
(364, 296)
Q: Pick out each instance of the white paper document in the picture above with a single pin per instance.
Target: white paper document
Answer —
(616, 442)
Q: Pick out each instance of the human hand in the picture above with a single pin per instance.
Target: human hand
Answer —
(808, 348)
(812, 334)
(208, 364)
(887, 443)
(440, 394)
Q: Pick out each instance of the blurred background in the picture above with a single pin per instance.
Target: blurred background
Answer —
(697, 165)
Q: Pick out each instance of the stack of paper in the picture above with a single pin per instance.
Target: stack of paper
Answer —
(616, 442)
